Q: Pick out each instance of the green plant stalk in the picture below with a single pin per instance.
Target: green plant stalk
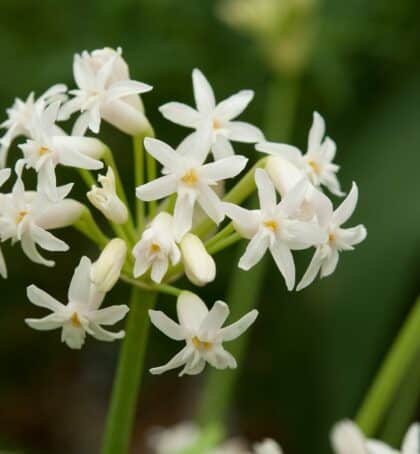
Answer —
(86, 224)
(223, 243)
(220, 235)
(391, 374)
(209, 437)
(139, 175)
(151, 286)
(87, 177)
(121, 415)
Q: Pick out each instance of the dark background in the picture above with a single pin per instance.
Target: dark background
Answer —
(312, 354)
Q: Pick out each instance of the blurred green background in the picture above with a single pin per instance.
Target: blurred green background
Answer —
(312, 355)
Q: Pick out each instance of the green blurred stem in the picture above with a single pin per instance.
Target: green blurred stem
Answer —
(223, 243)
(138, 150)
(391, 374)
(221, 235)
(150, 286)
(209, 437)
(86, 224)
(87, 177)
(122, 411)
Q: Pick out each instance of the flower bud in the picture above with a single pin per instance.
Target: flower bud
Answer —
(125, 117)
(200, 267)
(283, 174)
(59, 215)
(106, 200)
(105, 272)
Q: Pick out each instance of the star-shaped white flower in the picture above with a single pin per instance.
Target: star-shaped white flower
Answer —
(156, 248)
(45, 150)
(274, 227)
(316, 163)
(217, 117)
(347, 438)
(20, 116)
(338, 239)
(82, 313)
(186, 174)
(202, 331)
(104, 92)
(26, 215)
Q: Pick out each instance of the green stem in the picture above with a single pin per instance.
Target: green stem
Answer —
(87, 177)
(223, 243)
(87, 225)
(126, 386)
(209, 437)
(220, 235)
(395, 367)
(139, 178)
(150, 286)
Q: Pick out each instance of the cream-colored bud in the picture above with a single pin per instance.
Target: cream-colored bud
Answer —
(106, 200)
(125, 117)
(106, 271)
(283, 174)
(59, 215)
(200, 267)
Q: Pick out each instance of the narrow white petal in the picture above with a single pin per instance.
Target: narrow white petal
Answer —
(215, 318)
(123, 116)
(79, 290)
(73, 337)
(3, 267)
(52, 321)
(104, 335)
(30, 250)
(61, 214)
(283, 173)
(203, 93)
(183, 213)
(285, 263)
(109, 315)
(234, 105)
(178, 360)
(125, 88)
(255, 250)
(246, 222)
(346, 438)
(221, 359)
(194, 368)
(353, 235)
(266, 191)
(161, 151)
(222, 148)
(293, 200)
(46, 240)
(157, 189)
(79, 160)
(347, 207)
(166, 325)
(316, 132)
(330, 264)
(159, 269)
(239, 131)
(43, 299)
(224, 168)
(180, 114)
(191, 310)
(211, 204)
(312, 271)
(378, 447)
(411, 442)
(234, 330)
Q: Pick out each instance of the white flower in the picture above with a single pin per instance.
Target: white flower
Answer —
(174, 439)
(82, 313)
(26, 215)
(202, 331)
(104, 91)
(186, 174)
(337, 239)
(20, 117)
(45, 150)
(273, 227)
(156, 248)
(316, 163)
(4, 176)
(200, 267)
(106, 200)
(106, 271)
(267, 446)
(347, 438)
(218, 117)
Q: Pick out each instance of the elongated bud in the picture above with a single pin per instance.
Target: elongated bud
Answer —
(61, 214)
(106, 271)
(89, 146)
(106, 200)
(199, 264)
(125, 117)
(283, 174)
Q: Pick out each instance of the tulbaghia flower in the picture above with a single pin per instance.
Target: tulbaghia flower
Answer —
(106, 200)
(26, 215)
(45, 150)
(267, 446)
(21, 114)
(186, 174)
(82, 313)
(316, 163)
(347, 438)
(337, 239)
(202, 331)
(217, 117)
(103, 92)
(156, 248)
(273, 227)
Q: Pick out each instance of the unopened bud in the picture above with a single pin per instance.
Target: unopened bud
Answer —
(106, 271)
(200, 267)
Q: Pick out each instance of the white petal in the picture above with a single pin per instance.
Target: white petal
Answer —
(104, 335)
(215, 318)
(224, 168)
(222, 148)
(159, 269)
(266, 191)
(255, 250)
(157, 189)
(109, 315)
(221, 359)
(203, 93)
(4, 175)
(52, 321)
(312, 271)
(183, 213)
(161, 151)
(46, 240)
(211, 204)
(234, 330)
(3, 267)
(346, 438)
(283, 173)
(79, 290)
(239, 131)
(330, 264)
(73, 337)
(191, 310)
(234, 105)
(194, 368)
(377, 447)
(125, 88)
(347, 207)
(246, 222)
(178, 360)
(411, 442)
(285, 263)
(61, 214)
(43, 299)
(79, 160)
(316, 132)
(125, 117)
(353, 235)
(180, 114)
(282, 150)
(30, 250)
(166, 325)
(292, 201)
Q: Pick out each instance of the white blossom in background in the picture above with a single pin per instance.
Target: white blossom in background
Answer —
(174, 439)
(202, 332)
(156, 248)
(273, 227)
(105, 92)
(316, 163)
(347, 438)
(4, 176)
(267, 446)
(219, 118)
(186, 174)
(20, 117)
(26, 216)
(45, 150)
(106, 199)
(200, 267)
(337, 239)
(82, 313)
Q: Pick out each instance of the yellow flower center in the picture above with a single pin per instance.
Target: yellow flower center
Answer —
(20, 216)
(190, 178)
(75, 320)
(272, 225)
(154, 247)
(331, 237)
(216, 123)
(43, 150)
(315, 166)
(201, 345)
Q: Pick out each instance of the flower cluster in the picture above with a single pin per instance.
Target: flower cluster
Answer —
(178, 212)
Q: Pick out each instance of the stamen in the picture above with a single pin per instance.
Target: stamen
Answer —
(216, 123)
(315, 166)
(201, 345)
(154, 247)
(190, 178)
(20, 216)
(43, 150)
(75, 320)
(331, 237)
(272, 225)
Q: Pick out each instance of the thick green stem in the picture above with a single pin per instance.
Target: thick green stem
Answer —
(385, 386)
(138, 150)
(121, 415)
(150, 286)
(223, 243)
(151, 175)
(87, 225)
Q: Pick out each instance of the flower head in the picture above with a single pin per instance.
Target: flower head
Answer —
(156, 248)
(186, 174)
(274, 227)
(316, 163)
(219, 118)
(82, 313)
(202, 331)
